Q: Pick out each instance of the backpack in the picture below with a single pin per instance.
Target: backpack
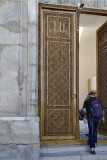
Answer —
(96, 109)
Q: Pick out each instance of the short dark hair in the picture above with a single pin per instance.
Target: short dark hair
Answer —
(92, 93)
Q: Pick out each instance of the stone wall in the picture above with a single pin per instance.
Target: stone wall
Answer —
(87, 3)
(19, 124)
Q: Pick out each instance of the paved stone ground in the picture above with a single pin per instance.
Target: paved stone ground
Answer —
(83, 132)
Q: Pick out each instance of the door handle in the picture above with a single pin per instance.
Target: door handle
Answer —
(73, 95)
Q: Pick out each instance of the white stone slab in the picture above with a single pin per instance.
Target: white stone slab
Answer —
(9, 11)
(19, 130)
(7, 37)
(9, 104)
(32, 4)
(97, 156)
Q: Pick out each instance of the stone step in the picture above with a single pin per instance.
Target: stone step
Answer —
(74, 156)
(74, 152)
(73, 148)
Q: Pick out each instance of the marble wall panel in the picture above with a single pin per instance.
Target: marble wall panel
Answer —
(19, 130)
(102, 4)
(32, 10)
(8, 36)
(24, 15)
(67, 2)
(19, 152)
(9, 11)
(33, 75)
(50, 1)
(9, 22)
(9, 104)
(32, 34)
(87, 3)
(9, 60)
(25, 132)
(33, 58)
(9, 89)
(24, 37)
(5, 130)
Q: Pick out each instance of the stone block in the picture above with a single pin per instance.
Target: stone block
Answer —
(61, 157)
(19, 152)
(24, 60)
(32, 34)
(25, 132)
(9, 89)
(101, 3)
(24, 18)
(24, 38)
(8, 36)
(9, 11)
(67, 2)
(9, 60)
(32, 57)
(5, 133)
(19, 130)
(98, 156)
(8, 152)
(50, 1)
(9, 104)
(32, 11)
(9, 22)
(29, 152)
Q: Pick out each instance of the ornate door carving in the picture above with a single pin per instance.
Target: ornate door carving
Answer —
(57, 58)
(102, 72)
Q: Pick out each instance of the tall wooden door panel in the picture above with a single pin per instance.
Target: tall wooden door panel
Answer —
(102, 72)
(57, 75)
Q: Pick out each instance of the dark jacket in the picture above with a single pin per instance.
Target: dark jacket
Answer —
(87, 104)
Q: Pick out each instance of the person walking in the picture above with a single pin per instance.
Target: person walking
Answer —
(93, 117)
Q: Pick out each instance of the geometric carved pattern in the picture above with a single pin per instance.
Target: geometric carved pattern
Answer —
(58, 73)
(102, 72)
(56, 120)
(57, 59)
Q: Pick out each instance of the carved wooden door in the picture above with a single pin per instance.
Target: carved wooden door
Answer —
(57, 74)
(102, 72)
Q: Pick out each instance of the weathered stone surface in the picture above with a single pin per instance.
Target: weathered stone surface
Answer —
(9, 90)
(8, 152)
(7, 37)
(19, 130)
(32, 11)
(30, 152)
(87, 3)
(9, 11)
(24, 14)
(50, 1)
(32, 34)
(67, 2)
(19, 152)
(33, 58)
(9, 22)
(9, 60)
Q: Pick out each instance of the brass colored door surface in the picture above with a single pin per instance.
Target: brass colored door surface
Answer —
(102, 72)
(57, 85)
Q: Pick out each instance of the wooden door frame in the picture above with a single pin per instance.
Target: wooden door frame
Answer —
(91, 11)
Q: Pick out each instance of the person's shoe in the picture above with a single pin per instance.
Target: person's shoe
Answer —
(92, 150)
